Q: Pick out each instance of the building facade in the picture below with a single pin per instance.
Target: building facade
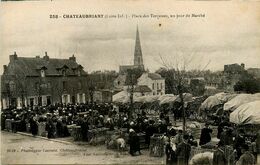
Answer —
(231, 75)
(153, 81)
(103, 96)
(42, 81)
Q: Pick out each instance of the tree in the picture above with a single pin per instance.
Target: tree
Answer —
(178, 74)
(131, 81)
(247, 83)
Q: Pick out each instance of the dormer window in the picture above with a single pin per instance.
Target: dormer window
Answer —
(79, 72)
(42, 73)
(42, 70)
(63, 69)
(64, 72)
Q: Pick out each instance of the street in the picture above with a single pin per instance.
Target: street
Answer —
(20, 149)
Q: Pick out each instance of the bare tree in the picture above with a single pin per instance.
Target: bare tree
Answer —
(182, 62)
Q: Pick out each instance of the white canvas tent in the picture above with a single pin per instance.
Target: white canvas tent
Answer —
(170, 98)
(187, 97)
(239, 100)
(167, 99)
(146, 99)
(248, 113)
(162, 97)
(121, 97)
(217, 99)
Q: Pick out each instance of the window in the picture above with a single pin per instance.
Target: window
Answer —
(161, 85)
(12, 86)
(36, 86)
(79, 85)
(80, 98)
(49, 85)
(65, 99)
(157, 86)
(48, 100)
(153, 85)
(63, 72)
(40, 101)
(64, 85)
(42, 73)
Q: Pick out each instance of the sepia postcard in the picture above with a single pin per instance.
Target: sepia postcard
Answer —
(130, 82)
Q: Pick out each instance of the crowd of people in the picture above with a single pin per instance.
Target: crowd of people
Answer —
(178, 144)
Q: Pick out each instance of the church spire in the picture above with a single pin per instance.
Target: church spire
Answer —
(138, 58)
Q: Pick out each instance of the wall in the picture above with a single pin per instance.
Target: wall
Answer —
(145, 80)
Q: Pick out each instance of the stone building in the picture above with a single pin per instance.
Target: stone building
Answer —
(231, 75)
(153, 81)
(36, 81)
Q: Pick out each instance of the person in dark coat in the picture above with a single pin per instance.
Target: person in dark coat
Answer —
(219, 155)
(239, 142)
(150, 130)
(221, 126)
(3, 118)
(183, 151)
(34, 125)
(226, 136)
(64, 127)
(162, 127)
(134, 143)
(205, 135)
(59, 128)
(50, 128)
(84, 129)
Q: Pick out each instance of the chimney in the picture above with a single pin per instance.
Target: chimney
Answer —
(46, 57)
(5, 68)
(13, 57)
(243, 65)
(73, 58)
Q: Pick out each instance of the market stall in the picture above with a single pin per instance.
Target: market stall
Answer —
(248, 113)
(239, 100)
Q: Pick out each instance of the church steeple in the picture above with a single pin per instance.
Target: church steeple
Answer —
(138, 58)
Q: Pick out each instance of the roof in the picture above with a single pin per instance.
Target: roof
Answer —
(155, 76)
(29, 66)
(142, 88)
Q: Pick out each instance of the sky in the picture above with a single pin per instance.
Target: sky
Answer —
(229, 33)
